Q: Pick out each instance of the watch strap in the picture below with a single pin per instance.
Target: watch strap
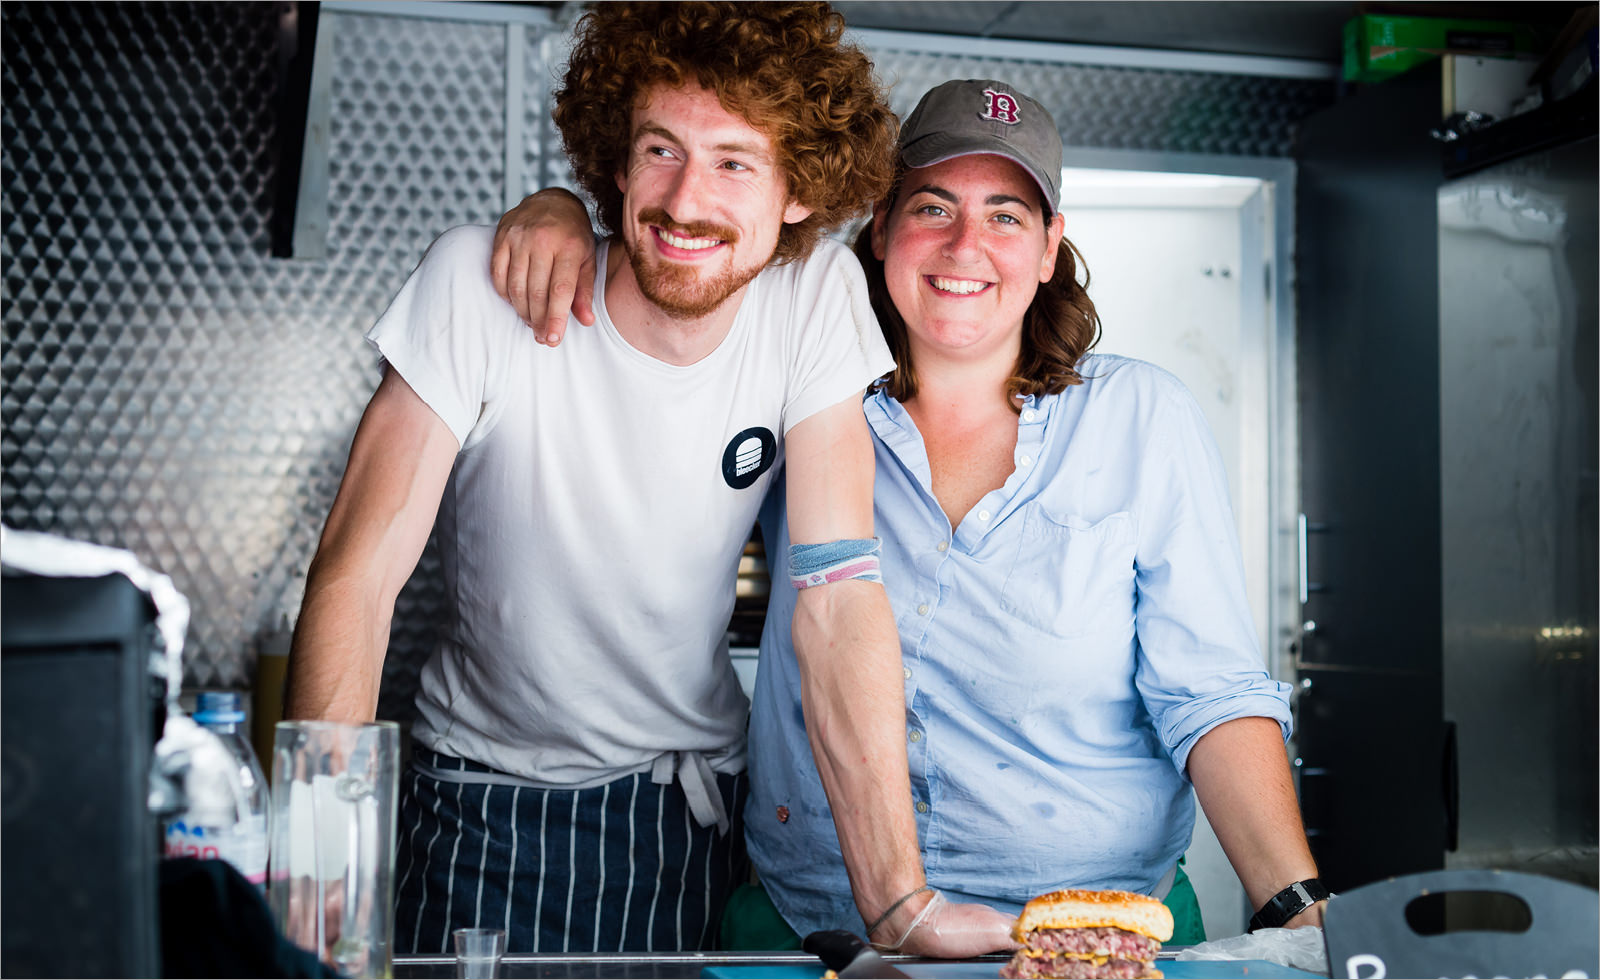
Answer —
(1289, 903)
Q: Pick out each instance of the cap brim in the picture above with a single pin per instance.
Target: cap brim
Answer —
(939, 147)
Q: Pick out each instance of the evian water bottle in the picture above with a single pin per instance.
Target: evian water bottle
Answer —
(227, 811)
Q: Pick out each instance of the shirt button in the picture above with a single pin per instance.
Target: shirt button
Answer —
(983, 515)
(916, 736)
(922, 807)
(942, 547)
(1026, 460)
(922, 610)
(1029, 415)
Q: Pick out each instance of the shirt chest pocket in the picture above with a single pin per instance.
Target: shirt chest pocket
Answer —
(1071, 576)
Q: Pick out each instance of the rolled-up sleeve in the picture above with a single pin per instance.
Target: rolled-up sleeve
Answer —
(1199, 663)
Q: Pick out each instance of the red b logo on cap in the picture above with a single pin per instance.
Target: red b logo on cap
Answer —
(1002, 107)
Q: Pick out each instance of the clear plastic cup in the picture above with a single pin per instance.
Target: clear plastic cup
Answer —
(478, 952)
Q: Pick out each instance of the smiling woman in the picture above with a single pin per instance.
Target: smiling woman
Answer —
(1005, 195)
(1061, 559)
(973, 241)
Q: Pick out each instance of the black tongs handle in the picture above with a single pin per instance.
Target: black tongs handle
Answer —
(836, 948)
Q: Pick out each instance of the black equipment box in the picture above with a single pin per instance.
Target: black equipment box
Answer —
(79, 716)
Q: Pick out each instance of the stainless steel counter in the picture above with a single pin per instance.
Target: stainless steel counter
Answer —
(630, 965)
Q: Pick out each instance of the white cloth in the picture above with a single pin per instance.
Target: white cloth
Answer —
(591, 531)
(47, 554)
(1303, 948)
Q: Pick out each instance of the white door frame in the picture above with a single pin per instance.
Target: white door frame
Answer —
(1280, 429)
(1224, 904)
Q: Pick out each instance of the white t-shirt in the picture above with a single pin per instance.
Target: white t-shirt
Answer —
(591, 530)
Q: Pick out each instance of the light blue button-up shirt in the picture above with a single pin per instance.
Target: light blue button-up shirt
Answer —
(1064, 647)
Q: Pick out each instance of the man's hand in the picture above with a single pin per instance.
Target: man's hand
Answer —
(543, 262)
(948, 930)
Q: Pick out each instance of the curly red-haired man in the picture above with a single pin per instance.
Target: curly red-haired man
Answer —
(579, 750)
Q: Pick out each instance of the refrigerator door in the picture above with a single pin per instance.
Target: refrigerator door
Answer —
(1518, 436)
(1369, 715)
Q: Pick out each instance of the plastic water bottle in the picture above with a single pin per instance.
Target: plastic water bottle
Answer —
(228, 795)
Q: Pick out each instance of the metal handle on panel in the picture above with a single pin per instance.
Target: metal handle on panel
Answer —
(1311, 796)
(1452, 788)
(1305, 575)
(1303, 529)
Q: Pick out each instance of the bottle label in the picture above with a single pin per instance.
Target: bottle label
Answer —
(243, 845)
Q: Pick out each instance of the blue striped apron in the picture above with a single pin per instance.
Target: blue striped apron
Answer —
(623, 866)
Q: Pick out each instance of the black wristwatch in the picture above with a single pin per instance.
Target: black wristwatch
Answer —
(1289, 903)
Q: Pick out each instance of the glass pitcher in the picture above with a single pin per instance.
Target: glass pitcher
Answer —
(331, 861)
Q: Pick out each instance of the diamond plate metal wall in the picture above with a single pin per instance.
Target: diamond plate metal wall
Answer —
(1108, 107)
(546, 164)
(150, 355)
(416, 137)
(168, 387)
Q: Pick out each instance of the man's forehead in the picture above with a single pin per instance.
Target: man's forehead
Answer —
(693, 115)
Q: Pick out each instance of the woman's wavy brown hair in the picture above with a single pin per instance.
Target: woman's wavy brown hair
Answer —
(1059, 327)
(780, 66)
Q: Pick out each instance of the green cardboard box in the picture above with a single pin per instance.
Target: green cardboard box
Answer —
(1379, 46)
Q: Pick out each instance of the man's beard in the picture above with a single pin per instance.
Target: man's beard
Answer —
(680, 291)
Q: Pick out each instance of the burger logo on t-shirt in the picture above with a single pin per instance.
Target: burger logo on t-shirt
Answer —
(750, 454)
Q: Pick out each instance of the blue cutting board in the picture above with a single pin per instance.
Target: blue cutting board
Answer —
(990, 969)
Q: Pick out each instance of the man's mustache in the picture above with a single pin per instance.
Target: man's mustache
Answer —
(692, 229)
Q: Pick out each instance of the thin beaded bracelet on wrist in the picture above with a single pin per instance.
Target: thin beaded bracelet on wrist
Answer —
(903, 899)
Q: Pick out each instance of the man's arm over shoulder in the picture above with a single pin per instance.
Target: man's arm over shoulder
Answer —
(852, 692)
(851, 687)
(543, 262)
(399, 464)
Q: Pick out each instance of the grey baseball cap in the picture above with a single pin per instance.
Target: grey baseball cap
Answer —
(983, 116)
